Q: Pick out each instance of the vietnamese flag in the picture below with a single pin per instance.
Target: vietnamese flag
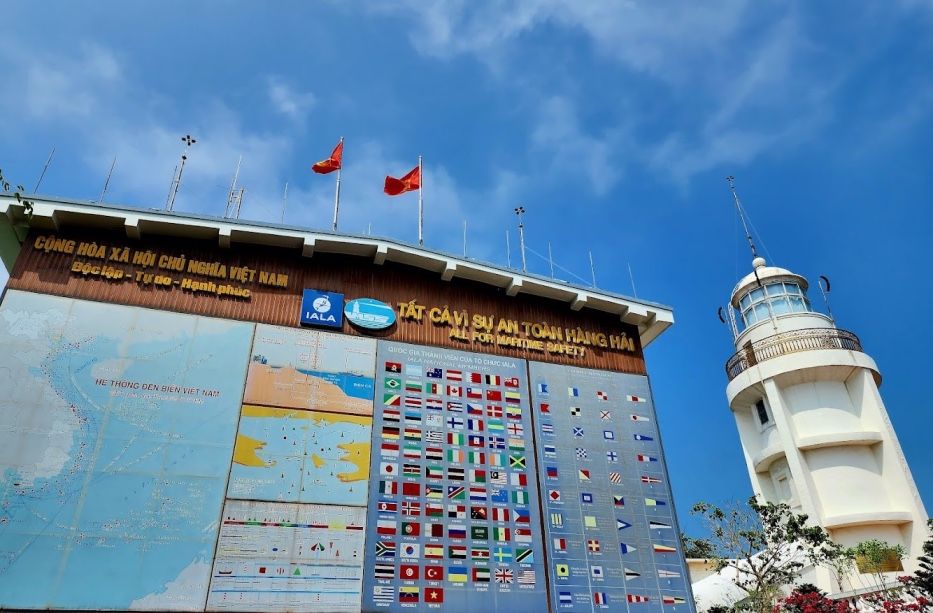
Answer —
(408, 183)
(332, 163)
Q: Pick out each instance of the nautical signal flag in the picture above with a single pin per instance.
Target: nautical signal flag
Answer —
(663, 549)
(672, 600)
(649, 479)
(645, 458)
(642, 437)
(624, 548)
(636, 598)
(600, 598)
(654, 502)
(636, 399)
(408, 183)
(639, 418)
(658, 525)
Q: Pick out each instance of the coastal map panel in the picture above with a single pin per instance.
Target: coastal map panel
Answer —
(116, 432)
(308, 369)
(306, 426)
(288, 557)
(611, 532)
(301, 456)
(454, 519)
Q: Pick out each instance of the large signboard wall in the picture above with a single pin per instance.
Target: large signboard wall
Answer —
(152, 460)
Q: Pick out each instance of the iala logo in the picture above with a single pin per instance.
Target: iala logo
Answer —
(321, 309)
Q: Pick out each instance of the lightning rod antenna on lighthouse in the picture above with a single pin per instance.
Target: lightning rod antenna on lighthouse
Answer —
(738, 207)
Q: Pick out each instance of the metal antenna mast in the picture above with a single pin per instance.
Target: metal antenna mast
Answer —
(738, 207)
(176, 180)
(520, 211)
(35, 190)
(235, 196)
(107, 182)
(284, 202)
(592, 269)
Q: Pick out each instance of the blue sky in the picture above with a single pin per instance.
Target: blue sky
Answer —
(614, 123)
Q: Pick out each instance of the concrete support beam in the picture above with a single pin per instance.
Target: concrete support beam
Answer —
(514, 287)
(223, 237)
(307, 247)
(131, 224)
(579, 302)
(382, 251)
(449, 270)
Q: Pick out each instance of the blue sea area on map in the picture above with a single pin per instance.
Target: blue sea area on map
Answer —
(352, 385)
(137, 500)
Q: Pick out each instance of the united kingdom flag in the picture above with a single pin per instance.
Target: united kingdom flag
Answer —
(504, 575)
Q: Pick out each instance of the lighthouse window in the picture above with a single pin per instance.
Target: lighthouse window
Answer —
(763, 417)
(783, 298)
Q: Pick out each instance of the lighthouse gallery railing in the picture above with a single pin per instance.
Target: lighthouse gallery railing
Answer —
(786, 343)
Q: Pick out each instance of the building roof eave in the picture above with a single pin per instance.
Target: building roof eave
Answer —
(53, 214)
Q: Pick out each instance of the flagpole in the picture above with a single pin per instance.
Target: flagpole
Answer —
(337, 195)
(420, 201)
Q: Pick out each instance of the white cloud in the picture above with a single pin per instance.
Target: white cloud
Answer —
(734, 78)
(574, 152)
(64, 87)
(288, 101)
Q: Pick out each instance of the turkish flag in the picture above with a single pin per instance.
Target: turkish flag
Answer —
(434, 573)
(408, 183)
(332, 163)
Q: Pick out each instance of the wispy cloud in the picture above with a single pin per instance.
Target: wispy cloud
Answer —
(733, 80)
(288, 101)
(572, 151)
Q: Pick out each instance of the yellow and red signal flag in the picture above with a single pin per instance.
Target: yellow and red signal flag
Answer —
(332, 163)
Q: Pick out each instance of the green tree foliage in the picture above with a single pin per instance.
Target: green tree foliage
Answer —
(696, 547)
(923, 578)
(766, 544)
(18, 194)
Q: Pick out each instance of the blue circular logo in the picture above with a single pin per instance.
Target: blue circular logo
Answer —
(369, 313)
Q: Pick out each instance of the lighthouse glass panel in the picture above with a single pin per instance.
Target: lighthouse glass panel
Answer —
(783, 298)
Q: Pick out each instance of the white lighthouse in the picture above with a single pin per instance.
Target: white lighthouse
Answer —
(814, 429)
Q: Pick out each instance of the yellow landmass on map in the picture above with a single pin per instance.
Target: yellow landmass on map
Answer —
(356, 453)
(287, 387)
(244, 452)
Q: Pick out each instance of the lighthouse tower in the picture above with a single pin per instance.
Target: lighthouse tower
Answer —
(814, 429)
